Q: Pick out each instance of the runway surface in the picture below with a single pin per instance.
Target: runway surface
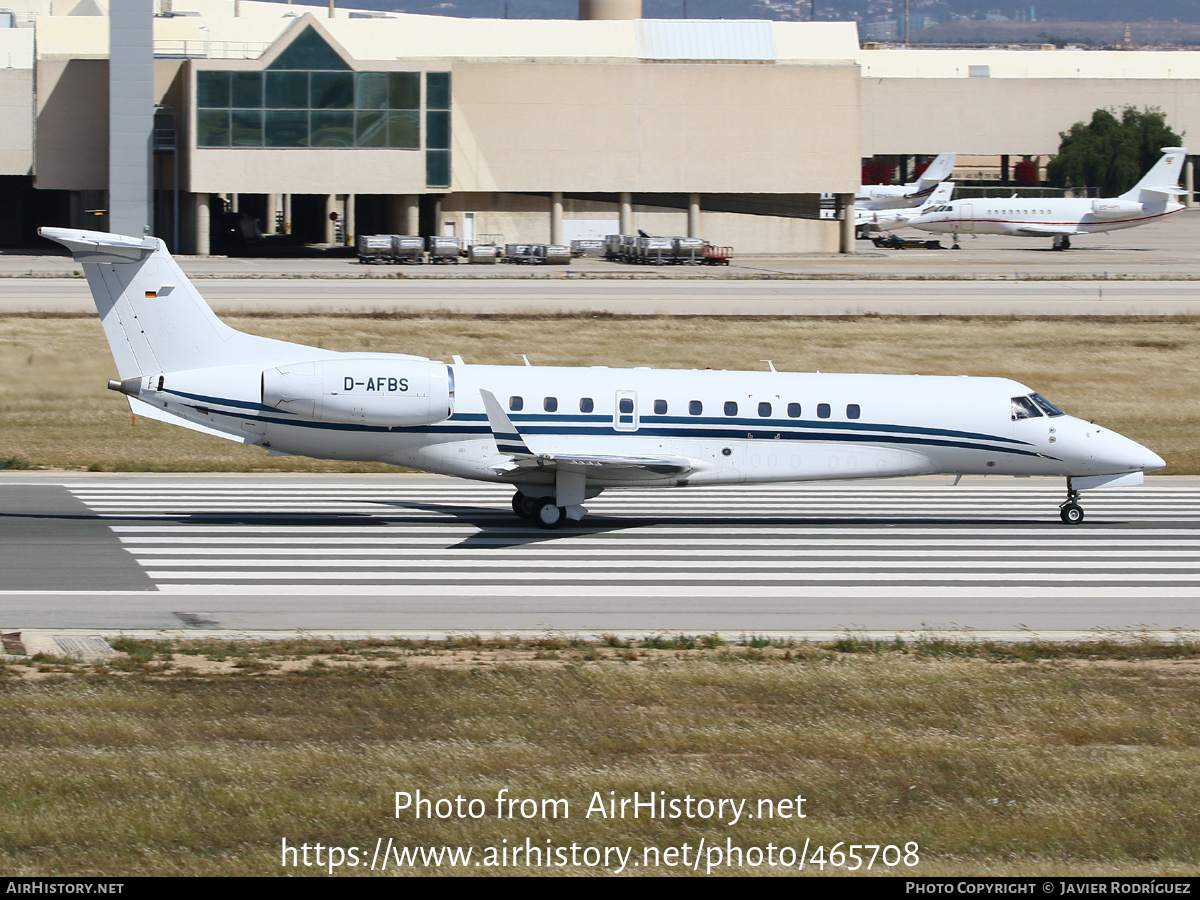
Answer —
(649, 297)
(432, 555)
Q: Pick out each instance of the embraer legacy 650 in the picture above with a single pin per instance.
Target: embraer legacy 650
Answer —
(562, 435)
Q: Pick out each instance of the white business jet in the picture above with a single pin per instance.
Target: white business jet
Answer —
(562, 435)
(915, 193)
(1149, 200)
(867, 221)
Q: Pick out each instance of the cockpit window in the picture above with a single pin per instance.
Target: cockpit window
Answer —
(1047, 407)
(1023, 408)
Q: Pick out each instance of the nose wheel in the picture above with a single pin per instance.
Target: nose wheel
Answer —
(1071, 512)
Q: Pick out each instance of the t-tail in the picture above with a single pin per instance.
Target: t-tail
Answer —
(153, 317)
(1161, 183)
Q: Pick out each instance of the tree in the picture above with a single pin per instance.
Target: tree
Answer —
(1111, 153)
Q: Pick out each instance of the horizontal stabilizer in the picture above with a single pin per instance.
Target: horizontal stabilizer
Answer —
(97, 246)
(149, 411)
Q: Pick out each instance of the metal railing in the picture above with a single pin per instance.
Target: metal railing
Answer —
(172, 49)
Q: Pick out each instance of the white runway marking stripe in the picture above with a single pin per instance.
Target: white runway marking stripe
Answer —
(781, 541)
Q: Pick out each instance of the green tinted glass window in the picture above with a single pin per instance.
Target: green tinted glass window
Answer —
(404, 130)
(286, 128)
(309, 51)
(287, 90)
(332, 90)
(246, 128)
(332, 129)
(371, 90)
(246, 91)
(370, 129)
(437, 130)
(212, 89)
(404, 90)
(437, 90)
(212, 128)
(437, 168)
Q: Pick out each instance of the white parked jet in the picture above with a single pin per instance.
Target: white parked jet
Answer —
(561, 435)
(915, 193)
(872, 220)
(1147, 201)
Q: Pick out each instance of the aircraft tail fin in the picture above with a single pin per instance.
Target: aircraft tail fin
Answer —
(1162, 181)
(153, 317)
(938, 171)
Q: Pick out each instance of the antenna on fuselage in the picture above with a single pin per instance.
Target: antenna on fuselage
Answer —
(526, 358)
(770, 364)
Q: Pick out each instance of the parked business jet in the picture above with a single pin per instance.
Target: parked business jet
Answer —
(867, 221)
(1147, 201)
(899, 196)
(562, 435)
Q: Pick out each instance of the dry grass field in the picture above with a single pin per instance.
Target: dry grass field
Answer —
(200, 758)
(1139, 376)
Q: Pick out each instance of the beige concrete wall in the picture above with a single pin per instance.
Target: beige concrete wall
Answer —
(1006, 115)
(72, 125)
(656, 127)
(296, 170)
(16, 121)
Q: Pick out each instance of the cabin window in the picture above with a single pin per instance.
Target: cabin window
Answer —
(853, 411)
(695, 407)
(1023, 408)
(822, 410)
(586, 405)
(550, 404)
(794, 410)
(764, 409)
(516, 404)
(1046, 406)
(626, 405)
(730, 408)
(660, 407)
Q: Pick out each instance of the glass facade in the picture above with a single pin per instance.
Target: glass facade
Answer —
(309, 97)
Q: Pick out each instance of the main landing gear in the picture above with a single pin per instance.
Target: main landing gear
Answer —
(1070, 511)
(541, 510)
(1062, 242)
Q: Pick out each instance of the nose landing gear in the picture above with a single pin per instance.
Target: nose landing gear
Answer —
(1070, 511)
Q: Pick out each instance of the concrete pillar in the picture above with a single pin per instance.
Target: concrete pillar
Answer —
(330, 209)
(287, 213)
(846, 229)
(556, 217)
(269, 226)
(348, 226)
(693, 216)
(233, 203)
(626, 222)
(130, 116)
(1188, 183)
(412, 214)
(75, 216)
(203, 248)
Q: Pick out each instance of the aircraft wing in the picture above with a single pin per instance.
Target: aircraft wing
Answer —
(513, 444)
(1048, 230)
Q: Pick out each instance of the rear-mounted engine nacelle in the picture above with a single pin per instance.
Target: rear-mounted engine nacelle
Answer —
(390, 391)
(1115, 209)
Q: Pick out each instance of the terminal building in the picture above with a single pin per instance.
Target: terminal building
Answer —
(326, 123)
